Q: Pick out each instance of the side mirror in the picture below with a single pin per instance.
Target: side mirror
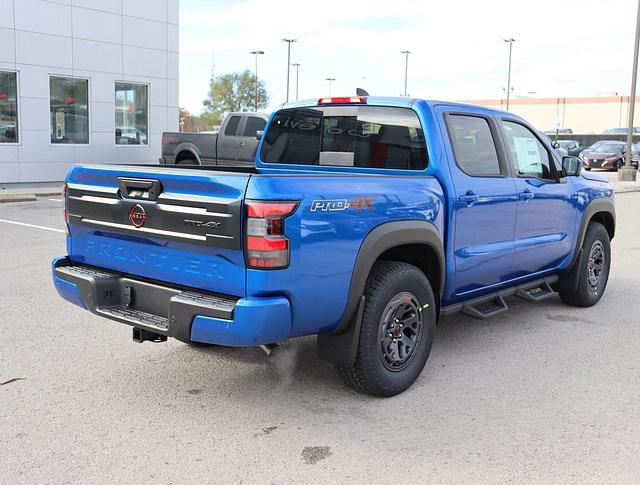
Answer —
(259, 134)
(571, 166)
(555, 144)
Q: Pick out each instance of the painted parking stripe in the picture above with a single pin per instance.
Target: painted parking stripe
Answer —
(55, 200)
(32, 225)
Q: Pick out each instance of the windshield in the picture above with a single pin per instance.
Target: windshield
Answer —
(607, 147)
(346, 136)
(565, 144)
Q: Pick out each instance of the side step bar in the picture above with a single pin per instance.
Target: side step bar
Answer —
(493, 304)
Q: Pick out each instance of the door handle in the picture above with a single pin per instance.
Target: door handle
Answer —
(526, 195)
(469, 198)
(242, 143)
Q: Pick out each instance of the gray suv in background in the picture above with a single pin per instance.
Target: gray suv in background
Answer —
(233, 146)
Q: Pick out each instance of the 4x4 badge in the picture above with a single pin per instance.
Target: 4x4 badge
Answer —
(137, 215)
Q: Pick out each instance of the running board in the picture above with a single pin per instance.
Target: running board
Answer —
(487, 306)
(535, 293)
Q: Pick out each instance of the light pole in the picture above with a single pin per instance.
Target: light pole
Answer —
(406, 68)
(628, 173)
(510, 41)
(289, 42)
(297, 66)
(256, 53)
(330, 80)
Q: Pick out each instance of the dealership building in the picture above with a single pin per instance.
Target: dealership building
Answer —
(584, 115)
(84, 81)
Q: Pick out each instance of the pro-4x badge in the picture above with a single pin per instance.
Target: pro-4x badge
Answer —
(360, 203)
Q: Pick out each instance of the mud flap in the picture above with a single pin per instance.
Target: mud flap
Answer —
(341, 348)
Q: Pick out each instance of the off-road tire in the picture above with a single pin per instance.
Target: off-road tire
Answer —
(388, 281)
(585, 294)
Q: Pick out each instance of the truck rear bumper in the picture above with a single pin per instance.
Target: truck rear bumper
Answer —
(184, 314)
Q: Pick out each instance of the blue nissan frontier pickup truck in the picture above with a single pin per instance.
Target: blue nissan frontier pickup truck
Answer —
(363, 222)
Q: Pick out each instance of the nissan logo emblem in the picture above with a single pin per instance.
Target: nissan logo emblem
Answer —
(137, 215)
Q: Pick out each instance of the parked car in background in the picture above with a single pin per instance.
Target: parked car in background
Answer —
(620, 131)
(8, 132)
(608, 155)
(572, 147)
(562, 131)
(555, 145)
(234, 145)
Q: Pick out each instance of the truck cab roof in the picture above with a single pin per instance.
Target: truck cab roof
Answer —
(396, 101)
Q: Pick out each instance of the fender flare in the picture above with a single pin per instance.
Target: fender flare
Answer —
(187, 147)
(569, 277)
(594, 207)
(340, 346)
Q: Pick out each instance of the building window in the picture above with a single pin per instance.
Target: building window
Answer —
(69, 108)
(8, 107)
(132, 114)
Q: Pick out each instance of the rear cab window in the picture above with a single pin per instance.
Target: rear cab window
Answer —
(346, 136)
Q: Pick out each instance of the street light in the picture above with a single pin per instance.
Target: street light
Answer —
(510, 41)
(256, 53)
(628, 173)
(330, 79)
(406, 68)
(297, 66)
(289, 42)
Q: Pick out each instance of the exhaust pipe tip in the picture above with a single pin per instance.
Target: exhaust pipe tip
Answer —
(269, 349)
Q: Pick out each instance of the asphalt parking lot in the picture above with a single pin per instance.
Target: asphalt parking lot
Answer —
(542, 393)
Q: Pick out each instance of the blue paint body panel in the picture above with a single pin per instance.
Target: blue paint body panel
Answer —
(496, 242)
(66, 289)
(256, 321)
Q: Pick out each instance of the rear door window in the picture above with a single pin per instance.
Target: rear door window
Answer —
(473, 146)
(346, 136)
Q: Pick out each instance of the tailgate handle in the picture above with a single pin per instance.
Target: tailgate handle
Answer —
(147, 189)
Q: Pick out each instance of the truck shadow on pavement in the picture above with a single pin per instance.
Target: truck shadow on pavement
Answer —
(294, 372)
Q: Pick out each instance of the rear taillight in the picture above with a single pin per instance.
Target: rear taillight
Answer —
(266, 245)
(65, 214)
(65, 195)
(168, 140)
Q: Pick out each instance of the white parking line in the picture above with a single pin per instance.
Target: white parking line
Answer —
(55, 200)
(32, 225)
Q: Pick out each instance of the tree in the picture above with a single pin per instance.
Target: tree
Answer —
(232, 92)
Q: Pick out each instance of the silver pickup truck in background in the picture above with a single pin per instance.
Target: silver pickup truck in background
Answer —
(233, 146)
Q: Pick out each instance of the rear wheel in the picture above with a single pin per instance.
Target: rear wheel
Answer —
(592, 270)
(396, 334)
(188, 161)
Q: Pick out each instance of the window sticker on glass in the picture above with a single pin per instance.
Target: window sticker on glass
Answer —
(527, 152)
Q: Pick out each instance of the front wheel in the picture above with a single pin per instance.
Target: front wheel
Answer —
(398, 324)
(592, 270)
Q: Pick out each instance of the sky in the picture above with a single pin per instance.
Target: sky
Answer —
(562, 47)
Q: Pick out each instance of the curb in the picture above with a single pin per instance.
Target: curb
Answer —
(18, 198)
(622, 188)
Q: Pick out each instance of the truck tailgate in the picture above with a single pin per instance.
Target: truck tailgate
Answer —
(181, 226)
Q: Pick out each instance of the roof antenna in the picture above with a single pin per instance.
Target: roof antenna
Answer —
(361, 92)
